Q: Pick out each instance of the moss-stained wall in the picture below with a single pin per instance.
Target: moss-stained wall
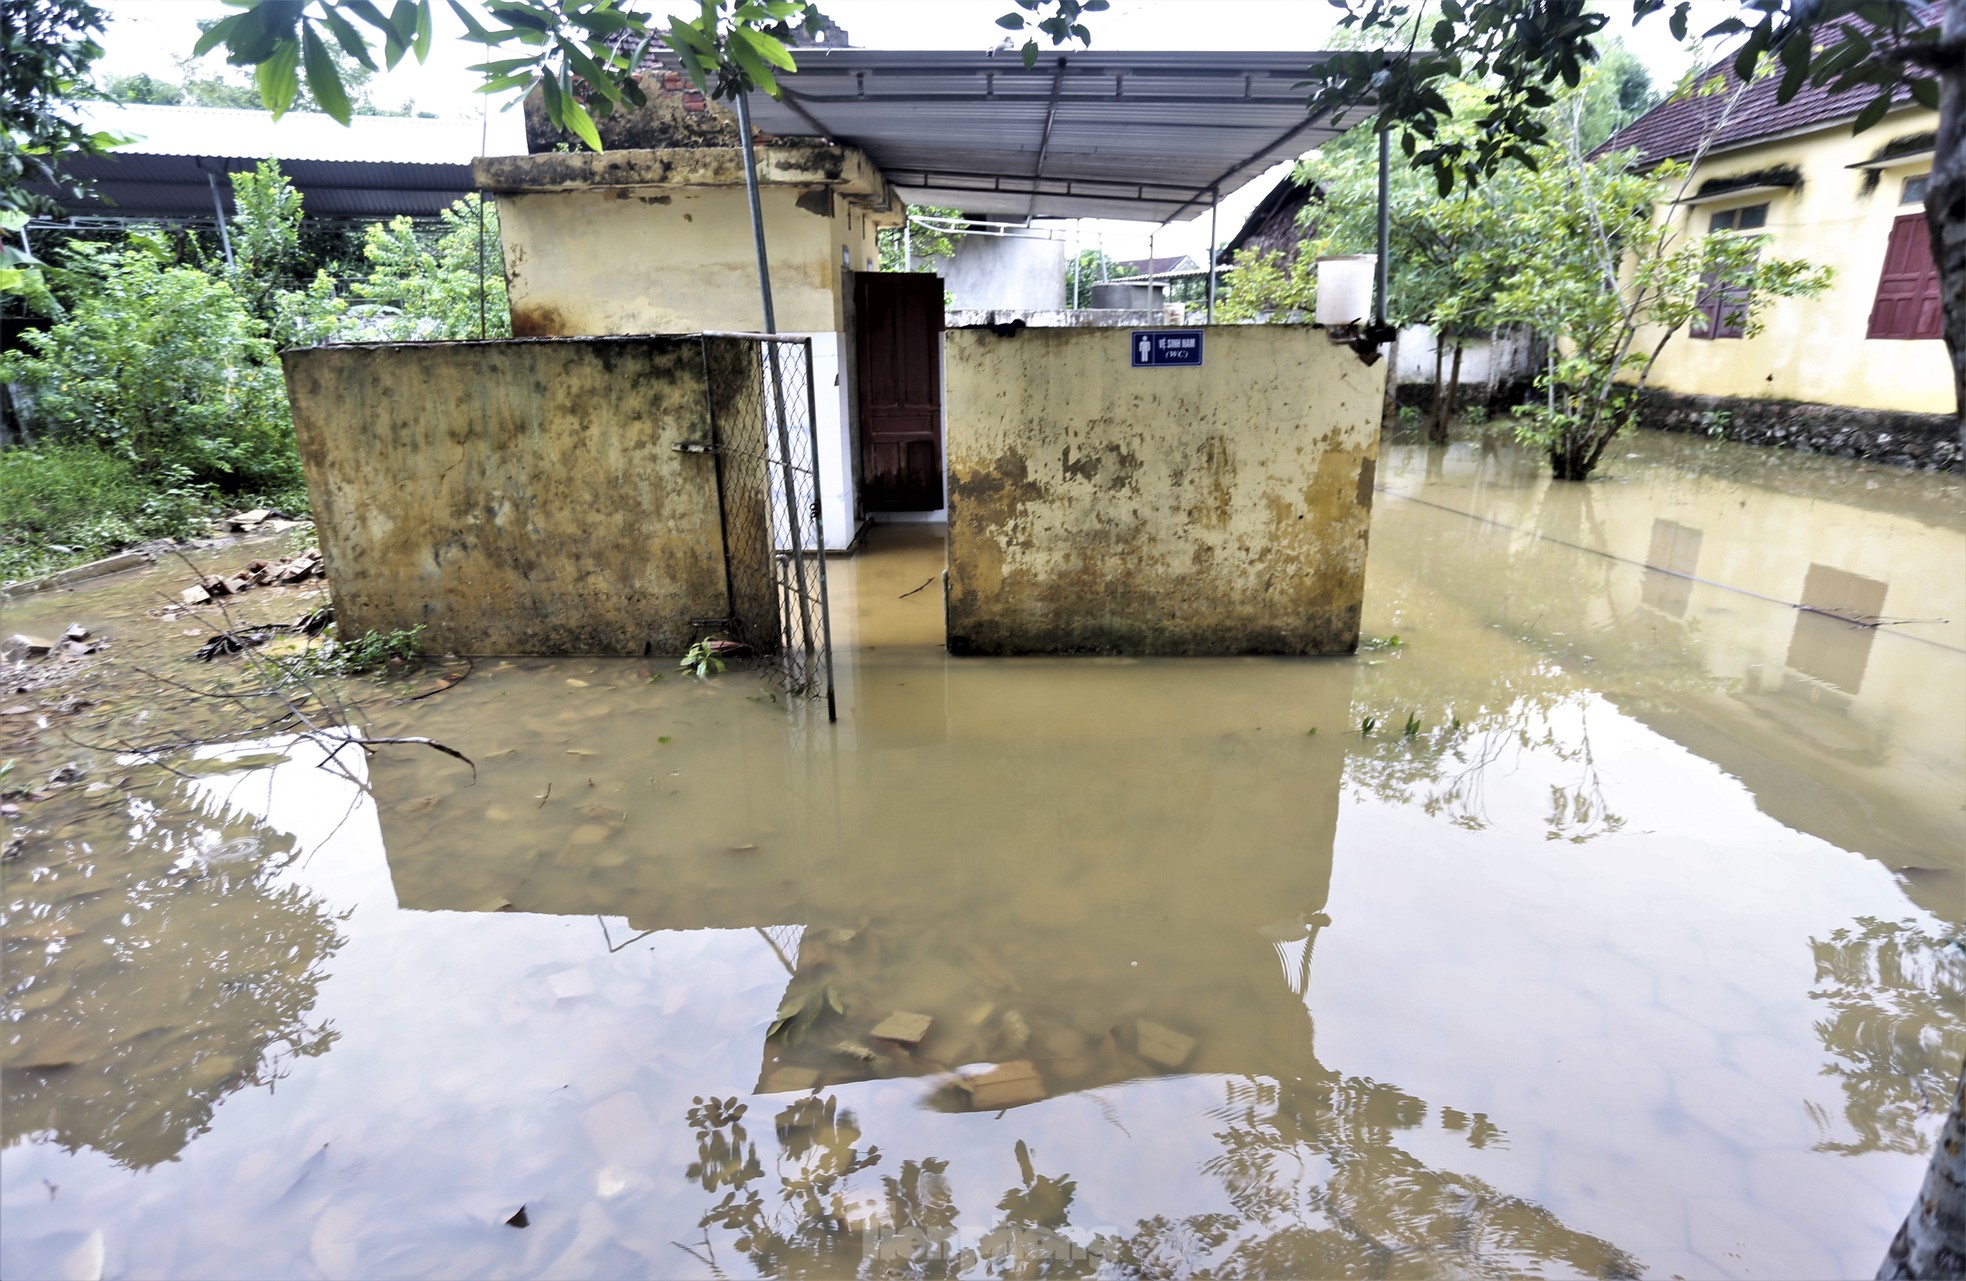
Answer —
(1094, 507)
(520, 497)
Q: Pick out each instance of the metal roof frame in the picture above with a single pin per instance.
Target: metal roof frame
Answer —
(1153, 137)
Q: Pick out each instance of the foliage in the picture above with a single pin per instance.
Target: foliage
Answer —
(359, 656)
(702, 658)
(582, 54)
(1061, 27)
(1267, 284)
(265, 238)
(1615, 284)
(196, 88)
(161, 365)
(421, 290)
(65, 503)
(47, 48)
(922, 244)
(1090, 268)
(1525, 51)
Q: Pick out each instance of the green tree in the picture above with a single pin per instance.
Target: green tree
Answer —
(47, 50)
(264, 232)
(1088, 269)
(423, 288)
(1614, 283)
(922, 243)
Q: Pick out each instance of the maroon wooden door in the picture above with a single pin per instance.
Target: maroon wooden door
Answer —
(898, 343)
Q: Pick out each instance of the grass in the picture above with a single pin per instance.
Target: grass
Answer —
(67, 504)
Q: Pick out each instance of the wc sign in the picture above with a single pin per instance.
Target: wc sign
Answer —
(1153, 348)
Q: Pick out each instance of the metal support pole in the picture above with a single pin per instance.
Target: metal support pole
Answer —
(1214, 206)
(776, 404)
(1384, 265)
(907, 243)
(819, 527)
(218, 206)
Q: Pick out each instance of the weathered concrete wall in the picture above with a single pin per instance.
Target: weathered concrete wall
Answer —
(659, 242)
(520, 497)
(1098, 508)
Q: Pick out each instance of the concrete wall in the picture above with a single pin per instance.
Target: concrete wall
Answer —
(1004, 271)
(520, 497)
(635, 261)
(1098, 508)
(1814, 350)
(659, 242)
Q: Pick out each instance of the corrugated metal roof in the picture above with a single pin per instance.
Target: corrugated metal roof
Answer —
(378, 167)
(1150, 136)
(298, 135)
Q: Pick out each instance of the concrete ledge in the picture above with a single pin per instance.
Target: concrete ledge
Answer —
(1931, 442)
(80, 573)
(845, 169)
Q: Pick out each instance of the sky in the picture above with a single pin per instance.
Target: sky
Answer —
(151, 35)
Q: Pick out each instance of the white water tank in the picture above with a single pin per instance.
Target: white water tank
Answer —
(1344, 288)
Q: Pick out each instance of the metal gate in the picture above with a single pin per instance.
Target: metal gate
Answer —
(765, 433)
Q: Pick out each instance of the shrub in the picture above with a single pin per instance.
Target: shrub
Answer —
(160, 365)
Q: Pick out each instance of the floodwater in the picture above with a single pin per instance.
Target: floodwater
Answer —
(1625, 942)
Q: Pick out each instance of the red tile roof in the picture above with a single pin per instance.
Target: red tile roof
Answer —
(1674, 128)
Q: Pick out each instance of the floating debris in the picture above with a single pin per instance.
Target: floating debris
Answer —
(902, 1026)
(1005, 1085)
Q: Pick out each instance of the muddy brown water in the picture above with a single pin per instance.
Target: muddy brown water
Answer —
(1636, 956)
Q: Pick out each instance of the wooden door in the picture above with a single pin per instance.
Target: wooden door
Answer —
(898, 343)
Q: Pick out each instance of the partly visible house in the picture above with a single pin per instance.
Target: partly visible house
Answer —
(1861, 369)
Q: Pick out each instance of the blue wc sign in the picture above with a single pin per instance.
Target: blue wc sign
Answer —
(1153, 348)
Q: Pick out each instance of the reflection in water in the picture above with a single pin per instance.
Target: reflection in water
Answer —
(1170, 983)
(141, 992)
(1835, 629)
(1894, 1032)
(1316, 1185)
(1675, 552)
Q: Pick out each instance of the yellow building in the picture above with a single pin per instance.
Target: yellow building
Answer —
(1861, 368)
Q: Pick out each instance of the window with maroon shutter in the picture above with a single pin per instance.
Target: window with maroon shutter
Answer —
(1723, 309)
(1907, 303)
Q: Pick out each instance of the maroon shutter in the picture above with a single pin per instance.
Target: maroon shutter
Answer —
(1907, 303)
(1723, 309)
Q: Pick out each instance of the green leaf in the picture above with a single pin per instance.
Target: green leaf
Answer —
(323, 77)
(1925, 93)
(754, 68)
(575, 117)
(769, 48)
(278, 78)
(367, 12)
(587, 69)
(422, 30)
(1873, 112)
(1030, 52)
(351, 40)
(221, 31)
(1011, 22)
(474, 31)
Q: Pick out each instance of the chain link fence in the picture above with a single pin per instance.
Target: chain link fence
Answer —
(764, 427)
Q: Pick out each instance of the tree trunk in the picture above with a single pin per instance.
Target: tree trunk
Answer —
(1389, 407)
(1932, 1240)
(1444, 408)
(1945, 199)
(1440, 353)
